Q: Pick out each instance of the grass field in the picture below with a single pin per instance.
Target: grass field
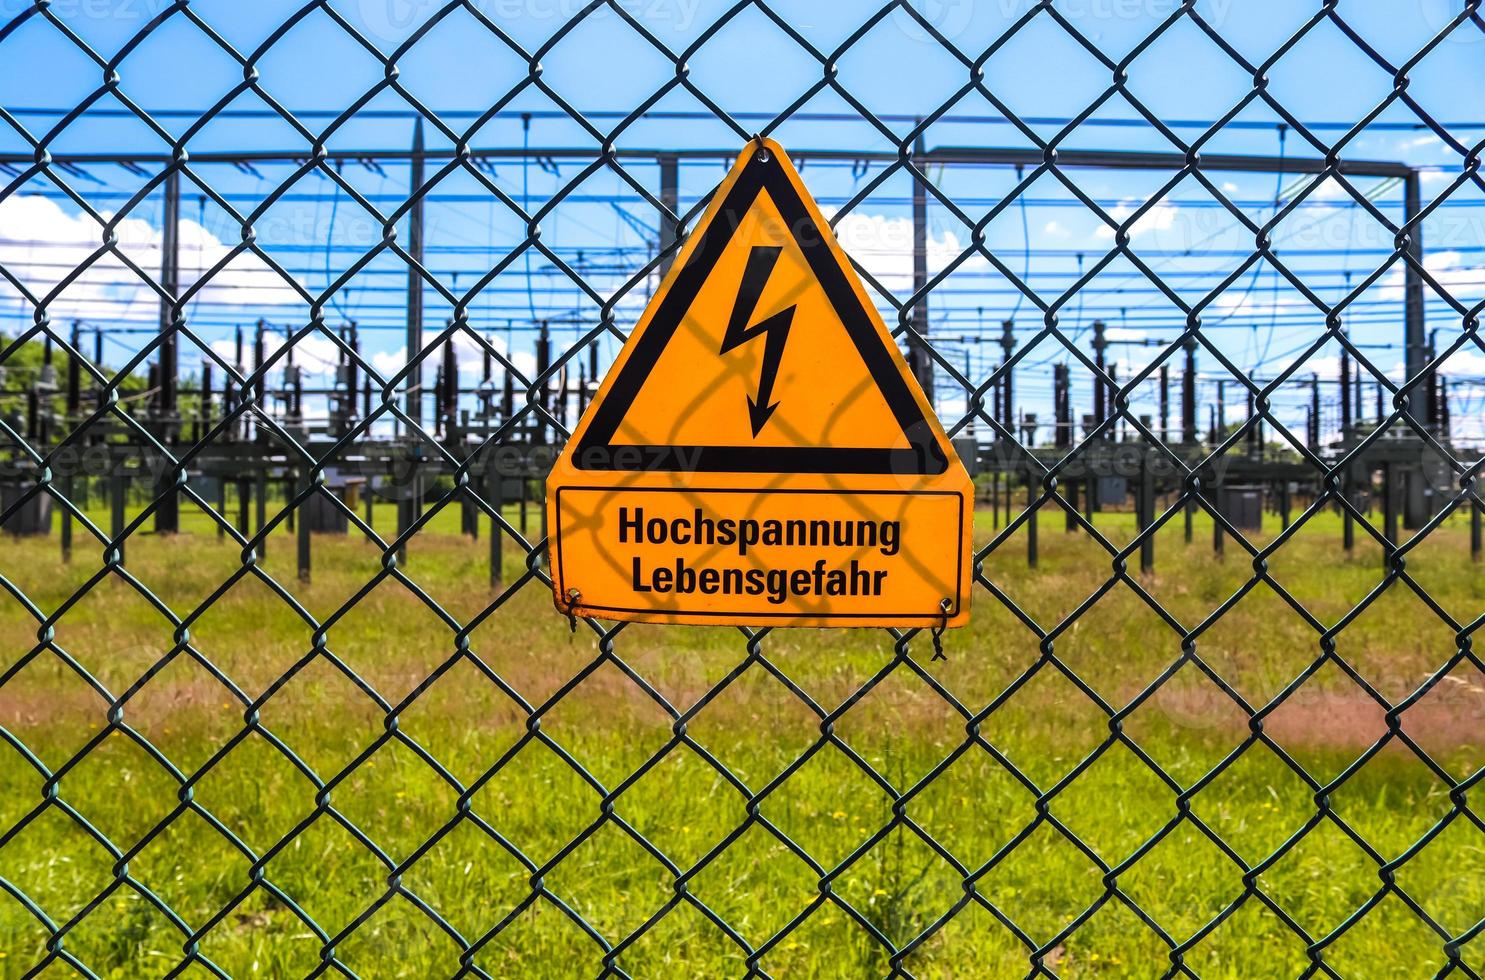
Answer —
(608, 715)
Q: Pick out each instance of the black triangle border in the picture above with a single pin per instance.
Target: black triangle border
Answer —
(596, 449)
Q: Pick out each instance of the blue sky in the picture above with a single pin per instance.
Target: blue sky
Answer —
(752, 68)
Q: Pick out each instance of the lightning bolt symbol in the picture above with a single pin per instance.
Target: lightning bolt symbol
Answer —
(775, 329)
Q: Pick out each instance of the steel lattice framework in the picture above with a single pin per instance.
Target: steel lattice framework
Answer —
(907, 659)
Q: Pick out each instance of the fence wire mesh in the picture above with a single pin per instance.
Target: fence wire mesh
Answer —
(1099, 842)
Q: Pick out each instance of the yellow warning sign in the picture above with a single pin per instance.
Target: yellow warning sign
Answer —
(759, 453)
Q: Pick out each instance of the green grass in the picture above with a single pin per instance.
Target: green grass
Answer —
(755, 727)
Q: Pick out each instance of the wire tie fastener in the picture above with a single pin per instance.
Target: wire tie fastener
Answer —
(573, 595)
(937, 633)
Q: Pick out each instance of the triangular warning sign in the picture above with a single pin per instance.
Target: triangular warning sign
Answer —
(760, 415)
(761, 353)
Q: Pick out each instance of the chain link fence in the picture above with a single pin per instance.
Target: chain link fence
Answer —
(1080, 789)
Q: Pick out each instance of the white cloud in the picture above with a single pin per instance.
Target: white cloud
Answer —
(884, 247)
(1327, 368)
(1466, 360)
(388, 363)
(314, 353)
(41, 244)
(1159, 218)
(1239, 301)
(1447, 268)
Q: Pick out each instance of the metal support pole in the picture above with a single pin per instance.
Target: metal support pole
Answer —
(67, 518)
(1446, 432)
(1188, 396)
(918, 356)
(1312, 433)
(1219, 426)
(1031, 511)
(1347, 422)
(507, 397)
(1219, 539)
(74, 379)
(352, 377)
(1395, 484)
(1146, 517)
(469, 513)
(448, 409)
(1389, 502)
(302, 533)
(1477, 532)
(1007, 384)
(407, 509)
(229, 394)
(260, 387)
(543, 364)
(244, 495)
(670, 196)
(1165, 403)
(1348, 492)
(1100, 395)
(1413, 300)
(1062, 396)
(1255, 430)
(170, 283)
(414, 383)
(119, 489)
(167, 512)
(260, 498)
(487, 385)
(33, 416)
(98, 363)
(497, 534)
(206, 403)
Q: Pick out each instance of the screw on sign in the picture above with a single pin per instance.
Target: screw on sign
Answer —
(759, 454)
